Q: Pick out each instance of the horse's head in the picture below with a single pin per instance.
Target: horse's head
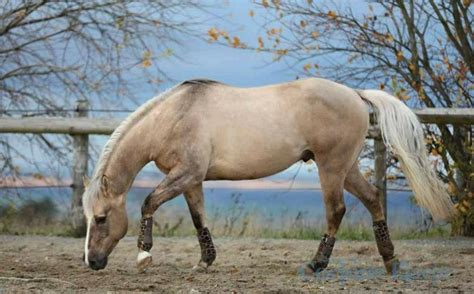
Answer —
(106, 221)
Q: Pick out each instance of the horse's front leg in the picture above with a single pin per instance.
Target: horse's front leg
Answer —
(331, 184)
(195, 199)
(176, 182)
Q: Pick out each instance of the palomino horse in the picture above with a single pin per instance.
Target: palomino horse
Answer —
(205, 130)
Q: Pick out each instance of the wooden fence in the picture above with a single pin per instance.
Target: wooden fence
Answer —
(81, 126)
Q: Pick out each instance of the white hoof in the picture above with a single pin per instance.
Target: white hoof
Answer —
(200, 266)
(144, 260)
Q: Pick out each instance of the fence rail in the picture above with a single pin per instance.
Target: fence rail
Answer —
(105, 126)
(81, 126)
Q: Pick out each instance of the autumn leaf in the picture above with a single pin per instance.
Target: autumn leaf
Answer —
(307, 66)
(389, 38)
(282, 52)
(382, 86)
(167, 53)
(310, 2)
(236, 42)
(265, 3)
(273, 32)
(315, 34)
(332, 14)
(213, 34)
(399, 56)
(146, 59)
(303, 24)
(276, 3)
(225, 35)
(146, 63)
(261, 45)
(251, 13)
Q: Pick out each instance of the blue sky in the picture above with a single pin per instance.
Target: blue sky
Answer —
(243, 68)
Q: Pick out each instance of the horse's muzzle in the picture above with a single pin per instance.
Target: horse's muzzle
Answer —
(97, 262)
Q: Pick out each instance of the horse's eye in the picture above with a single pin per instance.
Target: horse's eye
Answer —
(100, 219)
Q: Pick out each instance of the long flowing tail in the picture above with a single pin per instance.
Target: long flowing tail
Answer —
(403, 134)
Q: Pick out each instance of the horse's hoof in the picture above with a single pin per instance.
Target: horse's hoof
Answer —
(144, 260)
(308, 269)
(392, 266)
(201, 266)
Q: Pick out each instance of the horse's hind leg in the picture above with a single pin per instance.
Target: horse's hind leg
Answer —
(178, 180)
(332, 186)
(357, 185)
(195, 198)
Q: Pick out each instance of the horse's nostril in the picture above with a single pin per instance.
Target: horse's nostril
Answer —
(98, 264)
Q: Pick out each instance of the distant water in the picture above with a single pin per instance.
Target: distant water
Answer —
(274, 204)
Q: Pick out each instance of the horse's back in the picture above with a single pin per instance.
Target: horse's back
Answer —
(254, 132)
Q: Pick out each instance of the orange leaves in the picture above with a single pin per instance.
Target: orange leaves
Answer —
(307, 67)
(281, 52)
(302, 24)
(276, 3)
(274, 32)
(314, 34)
(251, 13)
(213, 34)
(236, 42)
(261, 45)
(400, 56)
(389, 38)
(463, 70)
(146, 58)
(332, 14)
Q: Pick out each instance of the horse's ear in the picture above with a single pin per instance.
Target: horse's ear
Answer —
(86, 181)
(104, 182)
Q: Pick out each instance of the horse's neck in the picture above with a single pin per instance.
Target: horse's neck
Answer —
(128, 157)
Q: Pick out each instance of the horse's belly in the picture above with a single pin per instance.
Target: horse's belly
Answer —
(251, 161)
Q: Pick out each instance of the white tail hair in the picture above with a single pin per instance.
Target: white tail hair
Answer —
(402, 133)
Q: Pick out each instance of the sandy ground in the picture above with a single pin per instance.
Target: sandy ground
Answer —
(242, 265)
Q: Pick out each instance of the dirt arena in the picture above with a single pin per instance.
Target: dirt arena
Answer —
(242, 265)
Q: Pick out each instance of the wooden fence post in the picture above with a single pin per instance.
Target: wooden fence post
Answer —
(380, 167)
(81, 146)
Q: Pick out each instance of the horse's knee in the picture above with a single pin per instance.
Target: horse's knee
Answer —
(340, 210)
(337, 211)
